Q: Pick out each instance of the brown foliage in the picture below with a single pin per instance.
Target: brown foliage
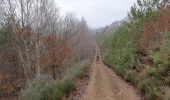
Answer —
(55, 52)
(10, 86)
(154, 30)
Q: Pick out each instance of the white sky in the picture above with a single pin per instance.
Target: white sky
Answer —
(97, 13)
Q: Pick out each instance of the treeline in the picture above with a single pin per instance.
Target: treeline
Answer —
(138, 50)
(38, 43)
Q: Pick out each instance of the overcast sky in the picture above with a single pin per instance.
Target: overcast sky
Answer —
(97, 13)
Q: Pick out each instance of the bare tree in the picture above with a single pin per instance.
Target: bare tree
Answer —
(44, 38)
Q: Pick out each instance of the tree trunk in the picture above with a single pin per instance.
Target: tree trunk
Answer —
(53, 72)
(38, 59)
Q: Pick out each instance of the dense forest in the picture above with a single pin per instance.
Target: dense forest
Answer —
(42, 51)
(138, 48)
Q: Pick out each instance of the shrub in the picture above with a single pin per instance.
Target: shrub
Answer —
(120, 70)
(66, 86)
(151, 88)
(152, 71)
(82, 72)
(48, 91)
(132, 76)
(158, 58)
(165, 46)
(32, 93)
(51, 91)
(164, 69)
(56, 89)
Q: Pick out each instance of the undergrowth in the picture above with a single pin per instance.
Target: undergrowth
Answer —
(55, 89)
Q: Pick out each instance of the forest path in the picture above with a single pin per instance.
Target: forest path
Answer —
(106, 85)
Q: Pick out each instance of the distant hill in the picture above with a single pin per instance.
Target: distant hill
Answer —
(109, 28)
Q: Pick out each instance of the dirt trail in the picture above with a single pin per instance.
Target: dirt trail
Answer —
(106, 85)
